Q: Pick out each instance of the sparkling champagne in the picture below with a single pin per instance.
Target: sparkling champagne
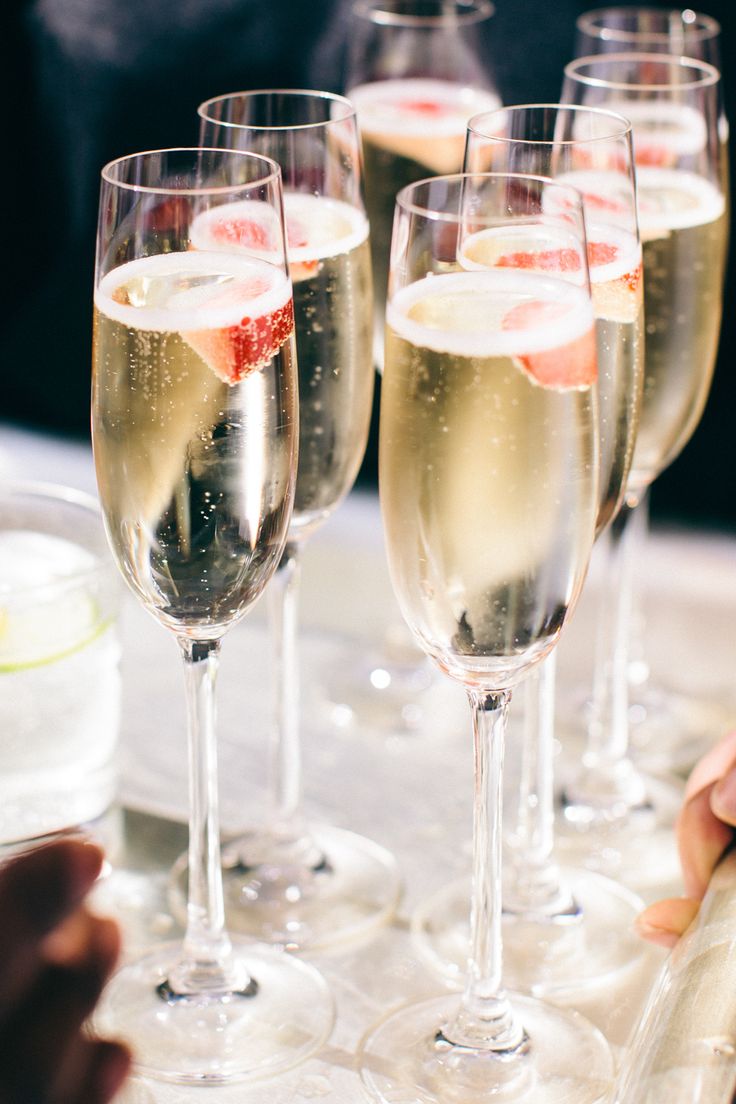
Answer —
(410, 128)
(684, 230)
(191, 406)
(329, 261)
(488, 463)
(615, 264)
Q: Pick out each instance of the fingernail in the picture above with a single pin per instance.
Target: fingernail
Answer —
(663, 937)
(723, 797)
(85, 862)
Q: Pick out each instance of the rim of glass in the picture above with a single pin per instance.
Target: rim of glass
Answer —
(709, 74)
(38, 491)
(403, 201)
(301, 93)
(701, 28)
(624, 126)
(465, 13)
(272, 176)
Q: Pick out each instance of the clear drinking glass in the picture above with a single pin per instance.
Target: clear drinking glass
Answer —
(671, 727)
(488, 474)
(59, 662)
(290, 881)
(194, 425)
(616, 817)
(652, 30)
(567, 929)
(416, 71)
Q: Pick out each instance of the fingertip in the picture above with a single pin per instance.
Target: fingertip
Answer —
(84, 859)
(723, 799)
(109, 1069)
(665, 922)
(44, 885)
(660, 937)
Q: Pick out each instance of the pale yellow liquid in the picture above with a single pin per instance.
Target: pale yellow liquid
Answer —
(333, 313)
(195, 475)
(394, 158)
(489, 492)
(683, 290)
(619, 329)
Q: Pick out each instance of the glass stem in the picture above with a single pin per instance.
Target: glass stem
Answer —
(205, 967)
(485, 1020)
(638, 663)
(286, 768)
(538, 892)
(609, 786)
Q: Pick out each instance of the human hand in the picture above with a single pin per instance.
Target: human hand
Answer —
(56, 956)
(705, 827)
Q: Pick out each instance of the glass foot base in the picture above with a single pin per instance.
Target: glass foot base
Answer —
(567, 1061)
(215, 1040)
(672, 731)
(639, 851)
(349, 887)
(382, 693)
(556, 958)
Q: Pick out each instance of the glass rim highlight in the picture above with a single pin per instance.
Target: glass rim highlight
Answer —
(61, 495)
(624, 127)
(702, 28)
(296, 93)
(403, 197)
(271, 176)
(385, 13)
(709, 74)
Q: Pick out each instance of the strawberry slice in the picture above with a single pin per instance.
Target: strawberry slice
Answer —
(297, 237)
(633, 279)
(603, 203)
(427, 107)
(601, 253)
(240, 231)
(548, 260)
(560, 260)
(233, 352)
(657, 156)
(566, 366)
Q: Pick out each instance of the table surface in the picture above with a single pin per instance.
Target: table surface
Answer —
(407, 786)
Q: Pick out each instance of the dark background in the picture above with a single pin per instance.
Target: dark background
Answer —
(90, 80)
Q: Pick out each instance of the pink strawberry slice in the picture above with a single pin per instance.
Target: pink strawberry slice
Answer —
(548, 260)
(601, 253)
(653, 155)
(297, 237)
(241, 231)
(571, 365)
(602, 203)
(426, 107)
(232, 352)
(633, 279)
(559, 260)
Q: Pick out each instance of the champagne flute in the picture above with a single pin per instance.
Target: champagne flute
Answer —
(416, 71)
(571, 929)
(293, 882)
(616, 817)
(194, 427)
(680, 31)
(670, 727)
(488, 468)
(416, 74)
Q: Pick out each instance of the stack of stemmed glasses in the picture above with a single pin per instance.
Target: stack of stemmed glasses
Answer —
(233, 373)
(617, 817)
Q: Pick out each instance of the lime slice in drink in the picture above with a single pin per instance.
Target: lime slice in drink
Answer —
(48, 607)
